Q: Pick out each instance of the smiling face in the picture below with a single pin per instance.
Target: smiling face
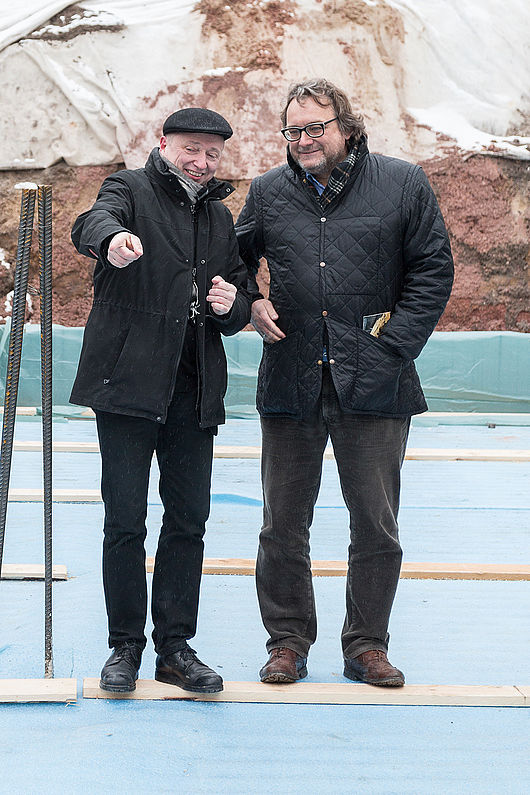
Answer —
(196, 154)
(318, 156)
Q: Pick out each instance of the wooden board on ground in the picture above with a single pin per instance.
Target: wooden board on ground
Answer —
(59, 495)
(525, 692)
(254, 452)
(412, 454)
(465, 571)
(23, 411)
(411, 571)
(325, 693)
(31, 571)
(24, 690)
(57, 447)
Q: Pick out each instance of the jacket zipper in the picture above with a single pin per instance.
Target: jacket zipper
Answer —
(187, 317)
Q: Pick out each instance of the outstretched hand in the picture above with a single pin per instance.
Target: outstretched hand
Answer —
(124, 248)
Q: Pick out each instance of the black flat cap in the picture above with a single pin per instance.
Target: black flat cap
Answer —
(197, 120)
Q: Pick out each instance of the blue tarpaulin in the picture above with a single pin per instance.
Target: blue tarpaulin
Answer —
(469, 371)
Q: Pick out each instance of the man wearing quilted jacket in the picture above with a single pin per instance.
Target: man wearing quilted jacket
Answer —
(360, 272)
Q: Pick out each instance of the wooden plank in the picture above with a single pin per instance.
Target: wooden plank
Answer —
(23, 690)
(57, 447)
(476, 414)
(23, 411)
(525, 692)
(59, 495)
(31, 571)
(254, 452)
(465, 571)
(426, 454)
(409, 571)
(326, 693)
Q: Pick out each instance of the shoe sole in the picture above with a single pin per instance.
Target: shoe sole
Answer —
(283, 679)
(117, 688)
(167, 679)
(394, 682)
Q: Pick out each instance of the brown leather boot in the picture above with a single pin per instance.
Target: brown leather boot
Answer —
(373, 668)
(284, 666)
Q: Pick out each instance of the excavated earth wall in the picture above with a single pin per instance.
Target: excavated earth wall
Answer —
(485, 203)
(238, 57)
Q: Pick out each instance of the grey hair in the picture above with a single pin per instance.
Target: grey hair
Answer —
(325, 93)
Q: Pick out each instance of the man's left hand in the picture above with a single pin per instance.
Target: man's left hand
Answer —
(221, 296)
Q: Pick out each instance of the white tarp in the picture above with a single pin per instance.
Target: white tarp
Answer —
(98, 97)
(467, 68)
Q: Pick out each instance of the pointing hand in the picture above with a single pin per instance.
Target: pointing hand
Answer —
(124, 248)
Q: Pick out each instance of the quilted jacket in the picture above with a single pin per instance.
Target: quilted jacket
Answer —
(381, 245)
(135, 332)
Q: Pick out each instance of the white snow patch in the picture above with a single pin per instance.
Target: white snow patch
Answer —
(9, 303)
(90, 18)
(443, 118)
(3, 260)
(222, 70)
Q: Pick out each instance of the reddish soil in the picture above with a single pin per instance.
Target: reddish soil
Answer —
(484, 201)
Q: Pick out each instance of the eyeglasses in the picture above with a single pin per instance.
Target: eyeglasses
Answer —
(315, 130)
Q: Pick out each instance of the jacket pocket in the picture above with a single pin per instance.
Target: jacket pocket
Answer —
(277, 391)
(378, 373)
(143, 371)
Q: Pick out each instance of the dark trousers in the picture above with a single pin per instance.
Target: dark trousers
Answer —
(369, 452)
(184, 454)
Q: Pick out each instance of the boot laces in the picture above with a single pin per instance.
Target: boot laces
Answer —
(188, 653)
(128, 653)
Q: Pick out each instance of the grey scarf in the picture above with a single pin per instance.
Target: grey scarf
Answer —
(192, 189)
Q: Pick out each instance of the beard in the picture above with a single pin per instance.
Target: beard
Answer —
(325, 163)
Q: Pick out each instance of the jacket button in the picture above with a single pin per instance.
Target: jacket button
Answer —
(182, 204)
(319, 362)
(322, 264)
(324, 313)
(159, 419)
(323, 220)
(201, 323)
(203, 262)
(105, 380)
(332, 361)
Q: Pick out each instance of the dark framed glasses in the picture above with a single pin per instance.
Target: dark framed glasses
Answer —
(315, 130)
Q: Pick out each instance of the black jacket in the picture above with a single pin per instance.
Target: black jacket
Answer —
(135, 332)
(381, 245)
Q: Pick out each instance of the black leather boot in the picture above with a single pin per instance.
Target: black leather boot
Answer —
(120, 672)
(183, 668)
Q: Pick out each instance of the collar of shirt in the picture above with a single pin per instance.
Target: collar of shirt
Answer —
(318, 185)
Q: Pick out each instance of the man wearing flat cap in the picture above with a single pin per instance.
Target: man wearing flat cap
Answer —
(167, 284)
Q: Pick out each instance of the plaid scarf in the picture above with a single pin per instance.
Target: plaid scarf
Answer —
(339, 177)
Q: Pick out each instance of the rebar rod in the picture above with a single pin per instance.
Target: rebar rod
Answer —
(25, 231)
(45, 267)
